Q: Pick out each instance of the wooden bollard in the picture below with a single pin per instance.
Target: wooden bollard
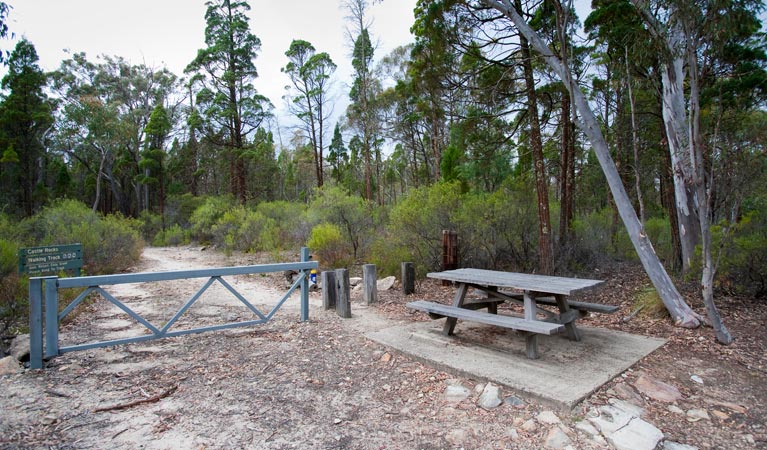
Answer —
(343, 304)
(408, 278)
(328, 280)
(369, 288)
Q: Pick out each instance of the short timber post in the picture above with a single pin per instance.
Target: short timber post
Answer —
(51, 317)
(449, 252)
(408, 278)
(328, 280)
(343, 305)
(305, 286)
(36, 323)
(369, 288)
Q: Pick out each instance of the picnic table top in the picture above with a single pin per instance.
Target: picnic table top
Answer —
(523, 281)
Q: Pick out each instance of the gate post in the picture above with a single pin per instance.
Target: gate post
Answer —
(36, 323)
(305, 286)
(51, 317)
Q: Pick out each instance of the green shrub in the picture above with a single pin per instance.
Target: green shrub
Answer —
(288, 222)
(353, 216)
(151, 225)
(743, 262)
(170, 237)
(328, 245)
(659, 232)
(206, 216)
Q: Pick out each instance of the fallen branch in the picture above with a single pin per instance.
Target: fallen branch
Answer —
(153, 399)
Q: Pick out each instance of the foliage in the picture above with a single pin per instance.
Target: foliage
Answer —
(743, 261)
(169, 237)
(110, 243)
(351, 214)
(329, 246)
(207, 215)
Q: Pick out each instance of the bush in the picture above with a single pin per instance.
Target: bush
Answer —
(110, 243)
(353, 216)
(172, 236)
(14, 304)
(205, 217)
(289, 223)
(329, 246)
(743, 263)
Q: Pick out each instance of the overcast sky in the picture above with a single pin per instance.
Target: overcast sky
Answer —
(169, 32)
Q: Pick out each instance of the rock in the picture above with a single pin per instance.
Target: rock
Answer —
(634, 410)
(729, 405)
(750, 439)
(514, 402)
(354, 281)
(456, 393)
(720, 415)
(529, 426)
(626, 392)
(695, 415)
(557, 439)
(675, 409)
(697, 379)
(670, 445)
(657, 390)
(491, 397)
(587, 428)
(548, 417)
(385, 284)
(20, 348)
(386, 357)
(457, 436)
(636, 435)
(512, 434)
(479, 387)
(9, 366)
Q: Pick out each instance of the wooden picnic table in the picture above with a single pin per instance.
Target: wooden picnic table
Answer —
(533, 291)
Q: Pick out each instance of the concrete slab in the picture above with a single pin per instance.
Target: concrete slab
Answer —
(566, 373)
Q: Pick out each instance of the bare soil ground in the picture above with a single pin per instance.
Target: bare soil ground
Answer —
(322, 384)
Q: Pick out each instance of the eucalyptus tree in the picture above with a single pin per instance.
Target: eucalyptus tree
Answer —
(362, 114)
(338, 154)
(153, 158)
(25, 119)
(105, 107)
(680, 311)
(309, 74)
(225, 71)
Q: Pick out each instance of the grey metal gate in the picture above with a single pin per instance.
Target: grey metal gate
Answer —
(45, 322)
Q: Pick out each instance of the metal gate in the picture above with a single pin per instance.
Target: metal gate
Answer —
(45, 290)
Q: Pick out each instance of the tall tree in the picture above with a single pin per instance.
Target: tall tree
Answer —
(228, 101)
(681, 312)
(154, 155)
(25, 118)
(309, 74)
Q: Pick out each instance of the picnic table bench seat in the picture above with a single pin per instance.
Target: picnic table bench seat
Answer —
(581, 306)
(438, 310)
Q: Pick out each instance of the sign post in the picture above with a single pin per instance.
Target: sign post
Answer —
(51, 259)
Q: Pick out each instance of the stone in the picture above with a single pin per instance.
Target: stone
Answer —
(719, 414)
(385, 284)
(697, 379)
(457, 436)
(626, 392)
(20, 347)
(514, 402)
(9, 366)
(556, 439)
(529, 426)
(512, 434)
(675, 409)
(587, 428)
(548, 417)
(656, 389)
(670, 445)
(636, 435)
(629, 407)
(491, 397)
(354, 281)
(611, 419)
(455, 393)
(728, 405)
(695, 415)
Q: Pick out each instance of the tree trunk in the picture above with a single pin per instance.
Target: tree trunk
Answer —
(566, 172)
(681, 313)
(545, 249)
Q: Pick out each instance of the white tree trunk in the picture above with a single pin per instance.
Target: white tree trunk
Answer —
(682, 314)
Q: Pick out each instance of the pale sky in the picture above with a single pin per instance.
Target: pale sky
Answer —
(169, 32)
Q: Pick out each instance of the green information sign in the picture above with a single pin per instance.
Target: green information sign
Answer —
(50, 259)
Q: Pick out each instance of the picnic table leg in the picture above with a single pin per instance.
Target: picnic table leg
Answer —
(460, 295)
(572, 330)
(531, 345)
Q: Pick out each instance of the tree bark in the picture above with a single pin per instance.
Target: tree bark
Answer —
(545, 248)
(681, 313)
